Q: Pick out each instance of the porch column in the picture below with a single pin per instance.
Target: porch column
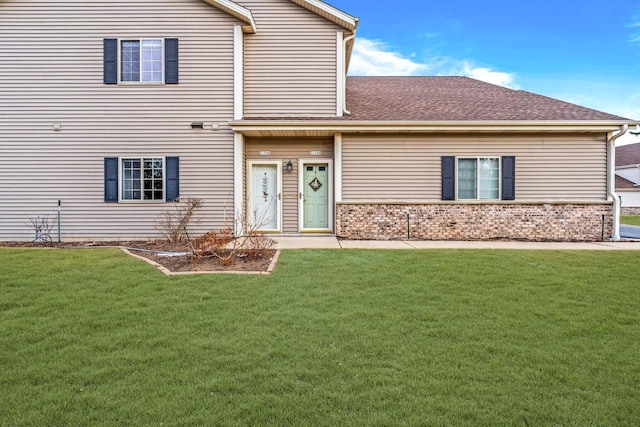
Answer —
(238, 182)
(337, 155)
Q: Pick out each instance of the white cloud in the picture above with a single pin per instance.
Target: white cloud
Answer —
(488, 75)
(375, 58)
(635, 36)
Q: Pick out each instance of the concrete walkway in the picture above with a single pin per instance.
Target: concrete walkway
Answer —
(330, 242)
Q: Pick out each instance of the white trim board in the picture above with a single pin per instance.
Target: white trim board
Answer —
(330, 202)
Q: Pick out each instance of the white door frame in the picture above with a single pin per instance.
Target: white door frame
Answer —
(278, 163)
(302, 189)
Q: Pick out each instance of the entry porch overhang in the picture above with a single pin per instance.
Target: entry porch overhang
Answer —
(307, 127)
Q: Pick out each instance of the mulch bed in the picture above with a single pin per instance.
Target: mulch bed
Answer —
(245, 261)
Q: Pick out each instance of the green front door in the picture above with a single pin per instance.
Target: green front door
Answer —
(316, 196)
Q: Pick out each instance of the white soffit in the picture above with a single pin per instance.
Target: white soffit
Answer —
(237, 11)
(330, 127)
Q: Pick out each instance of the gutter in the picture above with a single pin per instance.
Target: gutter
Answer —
(344, 75)
(302, 125)
(611, 153)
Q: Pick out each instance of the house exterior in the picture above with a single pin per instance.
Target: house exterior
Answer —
(628, 178)
(116, 109)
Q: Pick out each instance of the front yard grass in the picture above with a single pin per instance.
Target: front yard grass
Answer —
(630, 219)
(333, 337)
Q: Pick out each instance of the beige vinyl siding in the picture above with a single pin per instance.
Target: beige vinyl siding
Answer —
(51, 69)
(285, 150)
(290, 64)
(407, 167)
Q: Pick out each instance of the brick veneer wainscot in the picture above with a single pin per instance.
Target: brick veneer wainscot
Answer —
(562, 222)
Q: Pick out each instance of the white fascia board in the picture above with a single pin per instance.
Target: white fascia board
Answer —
(234, 9)
(334, 15)
(348, 126)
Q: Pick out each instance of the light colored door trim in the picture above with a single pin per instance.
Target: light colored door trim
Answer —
(278, 163)
(302, 189)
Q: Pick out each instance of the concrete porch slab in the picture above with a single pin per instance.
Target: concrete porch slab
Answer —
(306, 242)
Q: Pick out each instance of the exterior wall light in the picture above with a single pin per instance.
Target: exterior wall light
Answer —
(289, 166)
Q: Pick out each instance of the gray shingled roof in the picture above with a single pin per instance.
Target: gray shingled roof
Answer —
(455, 99)
(628, 155)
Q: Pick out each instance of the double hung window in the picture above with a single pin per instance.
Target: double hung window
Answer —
(143, 179)
(141, 61)
(146, 179)
(479, 178)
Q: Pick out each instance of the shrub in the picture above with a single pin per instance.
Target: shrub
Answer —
(173, 222)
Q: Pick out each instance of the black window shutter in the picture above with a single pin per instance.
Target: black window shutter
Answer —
(171, 61)
(111, 179)
(508, 178)
(172, 167)
(110, 61)
(448, 178)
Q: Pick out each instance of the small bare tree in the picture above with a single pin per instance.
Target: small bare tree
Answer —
(173, 222)
(224, 245)
(42, 227)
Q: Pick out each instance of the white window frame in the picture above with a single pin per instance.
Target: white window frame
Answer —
(140, 82)
(477, 159)
(121, 179)
(302, 188)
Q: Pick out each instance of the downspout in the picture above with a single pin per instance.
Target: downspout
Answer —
(612, 182)
(344, 76)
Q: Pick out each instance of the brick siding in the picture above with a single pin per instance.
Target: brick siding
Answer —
(563, 222)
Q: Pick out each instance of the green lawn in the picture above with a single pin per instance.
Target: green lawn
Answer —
(630, 219)
(334, 337)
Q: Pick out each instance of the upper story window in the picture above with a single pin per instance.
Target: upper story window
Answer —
(141, 60)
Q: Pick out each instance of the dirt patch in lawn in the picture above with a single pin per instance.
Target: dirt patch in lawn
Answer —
(175, 258)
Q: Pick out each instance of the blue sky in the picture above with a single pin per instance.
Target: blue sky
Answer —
(585, 52)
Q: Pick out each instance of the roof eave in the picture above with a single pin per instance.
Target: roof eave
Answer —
(329, 12)
(237, 11)
(328, 127)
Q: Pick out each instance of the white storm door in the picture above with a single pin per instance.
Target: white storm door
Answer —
(265, 196)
